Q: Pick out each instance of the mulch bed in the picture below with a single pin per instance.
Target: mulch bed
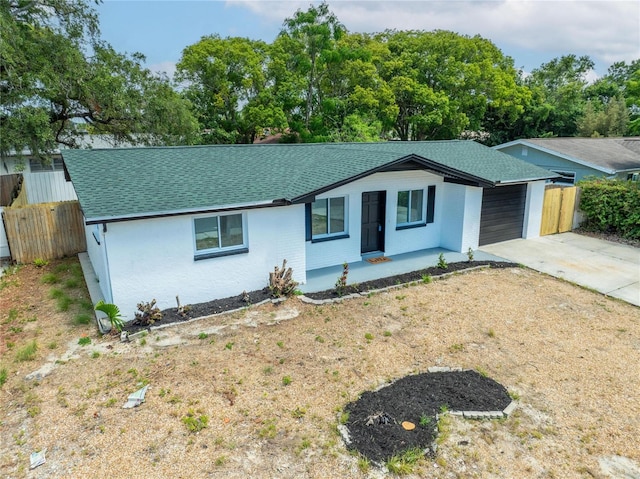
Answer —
(171, 315)
(411, 277)
(374, 423)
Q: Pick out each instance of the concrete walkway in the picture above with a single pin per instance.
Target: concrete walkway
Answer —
(610, 268)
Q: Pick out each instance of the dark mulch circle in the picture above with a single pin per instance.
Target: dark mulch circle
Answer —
(374, 423)
(171, 315)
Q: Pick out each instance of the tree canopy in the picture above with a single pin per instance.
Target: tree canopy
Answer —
(58, 80)
(315, 82)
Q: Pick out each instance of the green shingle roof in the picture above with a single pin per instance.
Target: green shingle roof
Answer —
(114, 184)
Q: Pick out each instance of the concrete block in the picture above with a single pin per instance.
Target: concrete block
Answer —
(510, 408)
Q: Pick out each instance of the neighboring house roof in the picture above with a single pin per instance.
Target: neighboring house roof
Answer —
(609, 155)
(121, 184)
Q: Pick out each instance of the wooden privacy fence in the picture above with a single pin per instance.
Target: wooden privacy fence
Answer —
(558, 209)
(44, 231)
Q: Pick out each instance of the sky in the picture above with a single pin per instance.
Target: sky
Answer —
(532, 32)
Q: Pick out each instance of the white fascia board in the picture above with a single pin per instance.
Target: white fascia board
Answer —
(186, 211)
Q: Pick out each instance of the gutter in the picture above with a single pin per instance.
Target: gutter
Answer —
(164, 214)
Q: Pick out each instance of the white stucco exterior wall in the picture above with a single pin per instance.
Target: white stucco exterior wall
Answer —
(461, 210)
(334, 252)
(533, 209)
(154, 258)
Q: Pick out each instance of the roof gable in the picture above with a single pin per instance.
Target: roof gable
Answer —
(117, 184)
(609, 155)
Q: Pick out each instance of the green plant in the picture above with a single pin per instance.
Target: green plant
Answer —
(344, 417)
(229, 346)
(203, 336)
(456, 347)
(27, 352)
(386, 334)
(4, 375)
(442, 263)
(84, 341)
(95, 355)
(148, 313)
(425, 420)
(341, 283)
(113, 313)
(49, 278)
(281, 281)
(82, 318)
(280, 344)
(71, 283)
(320, 339)
(286, 380)
(12, 316)
(405, 463)
(368, 336)
(426, 278)
(470, 254)
(40, 262)
(364, 464)
(195, 423)
(298, 413)
(268, 431)
(491, 333)
(52, 345)
(64, 302)
(611, 205)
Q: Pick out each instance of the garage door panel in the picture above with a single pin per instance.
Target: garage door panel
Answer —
(502, 216)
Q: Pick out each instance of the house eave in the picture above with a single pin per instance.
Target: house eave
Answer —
(190, 211)
(549, 151)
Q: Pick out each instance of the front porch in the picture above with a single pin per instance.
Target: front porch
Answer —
(325, 278)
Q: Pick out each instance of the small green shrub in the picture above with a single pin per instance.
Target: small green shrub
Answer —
(426, 278)
(40, 262)
(470, 255)
(611, 205)
(286, 380)
(195, 424)
(368, 336)
(386, 334)
(442, 263)
(27, 352)
(203, 336)
(113, 313)
(84, 341)
(229, 345)
(405, 463)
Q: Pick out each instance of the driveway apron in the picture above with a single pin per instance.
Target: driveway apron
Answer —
(610, 268)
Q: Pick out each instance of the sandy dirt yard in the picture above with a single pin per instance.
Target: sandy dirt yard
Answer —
(259, 393)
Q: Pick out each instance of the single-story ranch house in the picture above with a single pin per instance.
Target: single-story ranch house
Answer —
(210, 222)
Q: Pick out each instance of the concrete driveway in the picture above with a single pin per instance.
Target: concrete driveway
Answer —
(610, 268)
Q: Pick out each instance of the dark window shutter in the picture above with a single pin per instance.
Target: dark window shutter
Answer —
(431, 202)
(307, 221)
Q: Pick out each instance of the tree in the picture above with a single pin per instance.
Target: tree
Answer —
(309, 39)
(226, 82)
(560, 84)
(58, 81)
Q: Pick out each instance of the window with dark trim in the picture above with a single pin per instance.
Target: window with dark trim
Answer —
(219, 235)
(326, 219)
(410, 209)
